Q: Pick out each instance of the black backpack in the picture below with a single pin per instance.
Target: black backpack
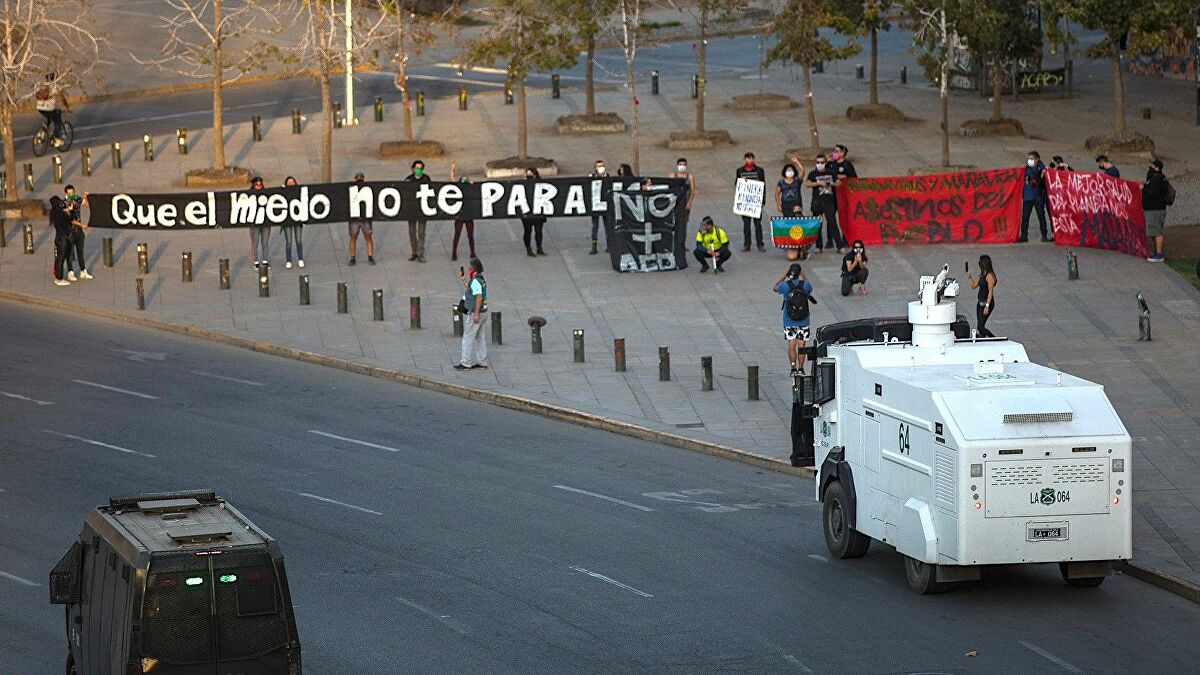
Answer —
(795, 303)
(1169, 198)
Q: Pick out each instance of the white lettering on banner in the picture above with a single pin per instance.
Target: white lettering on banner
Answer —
(635, 204)
(361, 206)
(450, 199)
(193, 213)
(212, 209)
(298, 208)
(121, 209)
(648, 237)
(575, 205)
(389, 202)
(668, 207)
(599, 203)
(489, 194)
(277, 208)
(543, 193)
(748, 197)
(241, 208)
(423, 194)
(652, 262)
(518, 204)
(318, 206)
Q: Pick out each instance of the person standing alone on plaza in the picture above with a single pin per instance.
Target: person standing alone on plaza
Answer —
(1157, 195)
(751, 171)
(533, 225)
(416, 228)
(362, 225)
(461, 224)
(986, 283)
(797, 294)
(292, 231)
(473, 308)
(1033, 196)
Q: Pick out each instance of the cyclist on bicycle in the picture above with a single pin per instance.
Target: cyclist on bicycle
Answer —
(48, 96)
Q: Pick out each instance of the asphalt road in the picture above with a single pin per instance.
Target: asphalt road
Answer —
(425, 533)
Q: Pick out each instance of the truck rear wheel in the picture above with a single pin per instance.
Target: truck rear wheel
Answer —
(71, 664)
(842, 540)
(1079, 582)
(922, 577)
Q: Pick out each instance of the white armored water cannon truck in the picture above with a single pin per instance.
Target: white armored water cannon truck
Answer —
(959, 452)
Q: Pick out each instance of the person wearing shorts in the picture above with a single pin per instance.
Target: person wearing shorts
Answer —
(795, 331)
(362, 225)
(1154, 205)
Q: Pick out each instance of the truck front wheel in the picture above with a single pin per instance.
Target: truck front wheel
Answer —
(922, 577)
(842, 540)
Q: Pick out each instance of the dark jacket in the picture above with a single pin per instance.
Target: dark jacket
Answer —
(1154, 192)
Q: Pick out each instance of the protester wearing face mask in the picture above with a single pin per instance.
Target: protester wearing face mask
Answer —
(751, 171)
(533, 225)
(362, 225)
(1033, 196)
(292, 231)
(840, 158)
(854, 269)
(416, 228)
(599, 170)
(260, 235)
(822, 179)
(1057, 162)
(689, 188)
(460, 225)
(787, 193)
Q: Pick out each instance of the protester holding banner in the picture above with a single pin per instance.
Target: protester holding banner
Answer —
(534, 225)
(1033, 196)
(751, 172)
(75, 246)
(459, 223)
(416, 228)
(854, 269)
(712, 243)
(822, 179)
(292, 230)
(1155, 198)
(986, 283)
(1105, 165)
(363, 225)
(689, 190)
(260, 235)
(599, 170)
(60, 219)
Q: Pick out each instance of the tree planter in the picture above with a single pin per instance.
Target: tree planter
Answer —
(15, 209)
(514, 167)
(1005, 127)
(878, 111)
(1135, 144)
(761, 102)
(233, 177)
(697, 140)
(389, 149)
(598, 123)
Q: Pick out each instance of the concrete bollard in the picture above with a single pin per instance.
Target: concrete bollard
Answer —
(462, 98)
(343, 298)
(224, 273)
(296, 127)
(264, 282)
(858, 72)
(696, 85)
(378, 108)
(107, 251)
(414, 312)
(1147, 113)
(27, 237)
(619, 355)
(305, 296)
(420, 104)
(535, 333)
(85, 161)
(187, 266)
(3, 235)
(497, 328)
(116, 155)
(457, 319)
(1072, 267)
(29, 177)
(337, 115)
(752, 383)
(181, 140)
(555, 86)
(508, 92)
(577, 344)
(377, 303)
(57, 162)
(654, 83)
(256, 128)
(706, 377)
(141, 294)
(1143, 319)
(148, 148)
(143, 258)
(820, 67)
(664, 364)
(903, 74)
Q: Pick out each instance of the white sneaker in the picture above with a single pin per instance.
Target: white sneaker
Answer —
(61, 282)
(301, 263)
(71, 276)
(287, 265)
(83, 274)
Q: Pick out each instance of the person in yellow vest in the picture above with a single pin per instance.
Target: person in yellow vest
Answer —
(712, 244)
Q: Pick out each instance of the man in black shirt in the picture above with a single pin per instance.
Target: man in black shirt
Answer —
(60, 218)
(840, 158)
(750, 171)
(823, 181)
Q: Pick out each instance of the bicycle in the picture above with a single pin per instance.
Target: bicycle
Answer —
(42, 140)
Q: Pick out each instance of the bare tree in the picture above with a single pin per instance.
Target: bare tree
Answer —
(40, 37)
(207, 40)
(628, 32)
(413, 32)
(934, 31)
(322, 50)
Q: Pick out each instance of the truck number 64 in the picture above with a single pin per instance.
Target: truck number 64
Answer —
(903, 439)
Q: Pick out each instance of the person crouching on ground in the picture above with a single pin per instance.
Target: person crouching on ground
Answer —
(797, 293)
(712, 244)
(854, 269)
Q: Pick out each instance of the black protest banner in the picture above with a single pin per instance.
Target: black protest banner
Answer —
(379, 201)
(643, 231)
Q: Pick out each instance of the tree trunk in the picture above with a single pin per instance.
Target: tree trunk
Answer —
(218, 98)
(997, 89)
(402, 74)
(944, 89)
(522, 120)
(589, 82)
(814, 140)
(703, 64)
(631, 82)
(874, 99)
(324, 68)
(1120, 130)
(10, 151)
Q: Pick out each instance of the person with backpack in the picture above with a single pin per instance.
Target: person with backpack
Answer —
(47, 97)
(797, 294)
(473, 307)
(1157, 195)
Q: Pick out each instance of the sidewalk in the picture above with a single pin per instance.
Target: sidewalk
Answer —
(1087, 328)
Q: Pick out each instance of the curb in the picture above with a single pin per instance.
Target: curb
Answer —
(1164, 580)
(548, 410)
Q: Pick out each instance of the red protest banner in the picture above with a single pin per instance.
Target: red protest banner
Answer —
(976, 207)
(1097, 210)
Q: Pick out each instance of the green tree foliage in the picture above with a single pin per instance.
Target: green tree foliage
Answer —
(868, 17)
(798, 39)
(586, 20)
(999, 33)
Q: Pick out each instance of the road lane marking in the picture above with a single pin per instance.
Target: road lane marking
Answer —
(606, 498)
(18, 579)
(97, 443)
(142, 357)
(444, 619)
(116, 389)
(351, 440)
(614, 582)
(252, 383)
(796, 662)
(814, 556)
(327, 500)
(1050, 657)
(435, 78)
(25, 398)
